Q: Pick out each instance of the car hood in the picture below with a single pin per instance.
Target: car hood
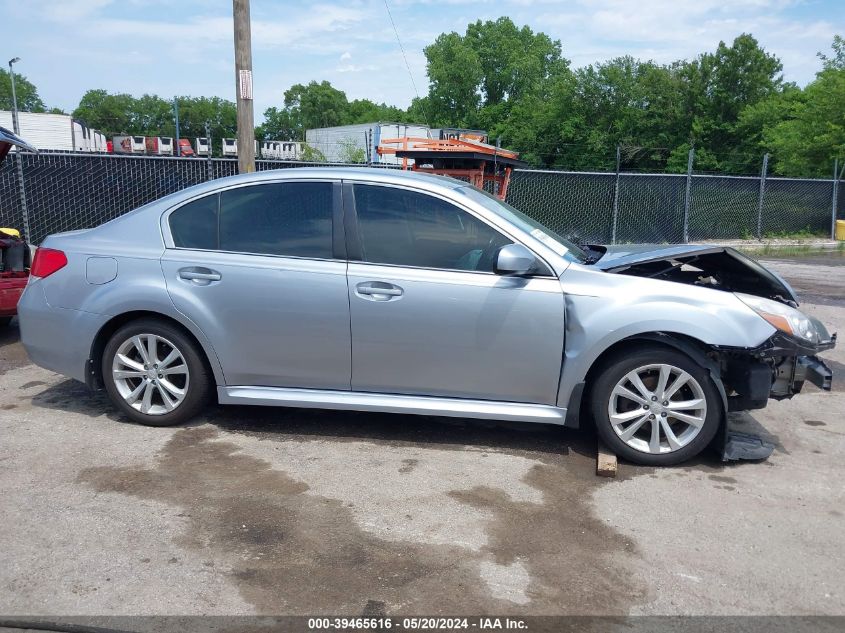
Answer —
(719, 267)
(8, 139)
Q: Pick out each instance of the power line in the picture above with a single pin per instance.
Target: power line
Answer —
(402, 48)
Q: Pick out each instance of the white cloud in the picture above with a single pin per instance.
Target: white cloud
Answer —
(185, 46)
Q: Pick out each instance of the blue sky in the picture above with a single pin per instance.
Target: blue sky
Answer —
(184, 47)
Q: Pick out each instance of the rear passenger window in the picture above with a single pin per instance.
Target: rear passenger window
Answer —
(194, 225)
(290, 219)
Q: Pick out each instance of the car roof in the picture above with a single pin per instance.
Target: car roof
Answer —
(380, 174)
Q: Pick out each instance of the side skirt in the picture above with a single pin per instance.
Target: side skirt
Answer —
(389, 403)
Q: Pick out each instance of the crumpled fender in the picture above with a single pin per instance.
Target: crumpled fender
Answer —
(603, 309)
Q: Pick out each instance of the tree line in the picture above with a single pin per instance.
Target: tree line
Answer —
(730, 105)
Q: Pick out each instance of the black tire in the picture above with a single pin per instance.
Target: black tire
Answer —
(198, 385)
(616, 369)
(4, 321)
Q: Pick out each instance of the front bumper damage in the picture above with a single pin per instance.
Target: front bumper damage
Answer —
(777, 369)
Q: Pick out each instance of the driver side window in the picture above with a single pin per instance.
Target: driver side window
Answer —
(407, 228)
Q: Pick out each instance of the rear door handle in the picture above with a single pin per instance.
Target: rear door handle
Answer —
(201, 276)
(378, 290)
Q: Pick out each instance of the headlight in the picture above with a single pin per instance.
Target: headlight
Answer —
(782, 317)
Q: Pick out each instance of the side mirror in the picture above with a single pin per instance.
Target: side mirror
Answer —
(515, 259)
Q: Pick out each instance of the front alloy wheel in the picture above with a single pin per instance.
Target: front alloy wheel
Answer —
(655, 406)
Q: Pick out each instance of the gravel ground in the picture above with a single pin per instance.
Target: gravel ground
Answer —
(307, 512)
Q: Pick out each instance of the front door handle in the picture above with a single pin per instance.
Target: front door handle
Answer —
(199, 276)
(378, 291)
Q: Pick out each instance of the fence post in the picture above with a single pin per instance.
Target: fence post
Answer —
(835, 203)
(687, 195)
(762, 194)
(616, 198)
(22, 193)
(209, 168)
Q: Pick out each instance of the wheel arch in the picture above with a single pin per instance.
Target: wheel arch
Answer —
(93, 373)
(697, 351)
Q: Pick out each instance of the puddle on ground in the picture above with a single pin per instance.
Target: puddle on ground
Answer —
(288, 550)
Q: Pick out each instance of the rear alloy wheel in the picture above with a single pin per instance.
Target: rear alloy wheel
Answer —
(154, 373)
(656, 407)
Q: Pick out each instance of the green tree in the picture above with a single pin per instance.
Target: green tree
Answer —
(315, 105)
(476, 78)
(351, 152)
(110, 113)
(811, 132)
(220, 114)
(719, 86)
(837, 60)
(278, 125)
(312, 154)
(366, 111)
(25, 92)
(454, 74)
(633, 104)
(153, 116)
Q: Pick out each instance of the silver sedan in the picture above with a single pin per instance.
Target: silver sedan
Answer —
(391, 291)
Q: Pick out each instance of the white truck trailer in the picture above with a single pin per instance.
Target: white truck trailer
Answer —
(59, 132)
(201, 146)
(339, 144)
(129, 145)
(281, 150)
(230, 147)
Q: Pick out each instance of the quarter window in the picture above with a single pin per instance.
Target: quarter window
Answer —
(289, 219)
(194, 225)
(406, 228)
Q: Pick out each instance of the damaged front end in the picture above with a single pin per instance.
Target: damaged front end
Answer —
(776, 369)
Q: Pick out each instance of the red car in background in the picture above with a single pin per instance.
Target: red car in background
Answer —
(14, 251)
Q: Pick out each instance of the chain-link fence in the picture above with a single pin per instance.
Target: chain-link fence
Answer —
(675, 208)
(63, 192)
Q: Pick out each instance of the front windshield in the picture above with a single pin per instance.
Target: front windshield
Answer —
(561, 245)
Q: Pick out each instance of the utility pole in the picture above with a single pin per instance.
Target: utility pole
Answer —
(15, 126)
(243, 86)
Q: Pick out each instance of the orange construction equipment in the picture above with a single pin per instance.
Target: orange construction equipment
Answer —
(478, 162)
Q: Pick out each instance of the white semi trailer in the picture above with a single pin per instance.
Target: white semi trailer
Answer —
(59, 132)
(339, 144)
(281, 150)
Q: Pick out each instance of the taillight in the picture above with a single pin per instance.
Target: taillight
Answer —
(46, 262)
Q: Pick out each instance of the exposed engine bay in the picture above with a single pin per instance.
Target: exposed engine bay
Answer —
(716, 267)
